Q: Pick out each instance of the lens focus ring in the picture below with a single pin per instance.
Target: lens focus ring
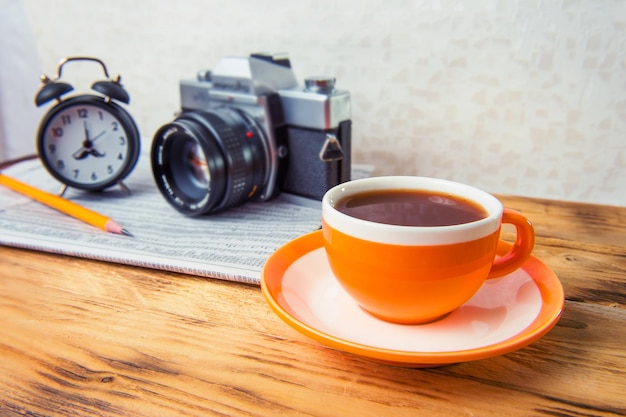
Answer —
(230, 137)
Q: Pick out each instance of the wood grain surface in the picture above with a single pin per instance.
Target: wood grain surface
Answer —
(87, 338)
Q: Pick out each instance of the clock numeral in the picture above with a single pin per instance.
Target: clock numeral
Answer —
(52, 148)
(109, 169)
(60, 164)
(94, 176)
(66, 119)
(76, 172)
(115, 126)
(122, 140)
(57, 132)
(83, 113)
(120, 156)
(101, 115)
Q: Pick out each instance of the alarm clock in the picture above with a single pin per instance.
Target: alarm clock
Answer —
(87, 141)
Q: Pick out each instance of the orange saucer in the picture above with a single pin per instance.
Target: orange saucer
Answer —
(506, 314)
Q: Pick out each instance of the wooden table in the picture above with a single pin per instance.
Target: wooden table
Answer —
(81, 337)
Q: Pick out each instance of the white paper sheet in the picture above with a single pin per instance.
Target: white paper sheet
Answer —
(231, 245)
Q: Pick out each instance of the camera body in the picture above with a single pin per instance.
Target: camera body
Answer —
(247, 131)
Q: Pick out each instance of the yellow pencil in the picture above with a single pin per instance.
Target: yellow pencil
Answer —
(64, 206)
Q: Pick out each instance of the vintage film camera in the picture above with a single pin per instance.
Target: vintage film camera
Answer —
(247, 131)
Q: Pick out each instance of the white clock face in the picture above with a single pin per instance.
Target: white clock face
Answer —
(86, 145)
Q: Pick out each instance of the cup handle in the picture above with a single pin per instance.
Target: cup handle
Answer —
(520, 251)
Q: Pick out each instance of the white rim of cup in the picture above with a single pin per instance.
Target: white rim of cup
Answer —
(411, 235)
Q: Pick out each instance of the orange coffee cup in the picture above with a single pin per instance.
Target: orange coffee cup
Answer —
(412, 272)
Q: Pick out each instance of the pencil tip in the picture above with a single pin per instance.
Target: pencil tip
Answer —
(114, 227)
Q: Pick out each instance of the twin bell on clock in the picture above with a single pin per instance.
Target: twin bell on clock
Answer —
(87, 141)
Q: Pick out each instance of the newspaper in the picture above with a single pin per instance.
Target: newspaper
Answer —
(231, 245)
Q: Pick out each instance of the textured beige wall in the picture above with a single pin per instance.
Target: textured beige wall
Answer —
(519, 97)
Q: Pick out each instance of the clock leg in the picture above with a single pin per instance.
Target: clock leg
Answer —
(62, 190)
(124, 187)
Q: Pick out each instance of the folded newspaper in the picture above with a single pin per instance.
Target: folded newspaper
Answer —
(231, 245)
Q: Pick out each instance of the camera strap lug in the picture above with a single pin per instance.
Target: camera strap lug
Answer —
(331, 150)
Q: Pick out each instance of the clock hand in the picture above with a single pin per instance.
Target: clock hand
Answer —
(82, 153)
(98, 136)
(96, 153)
(90, 147)
(87, 146)
(86, 131)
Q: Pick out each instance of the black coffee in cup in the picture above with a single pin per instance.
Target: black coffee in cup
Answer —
(411, 208)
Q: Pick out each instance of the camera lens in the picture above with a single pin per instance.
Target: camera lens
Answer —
(206, 161)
